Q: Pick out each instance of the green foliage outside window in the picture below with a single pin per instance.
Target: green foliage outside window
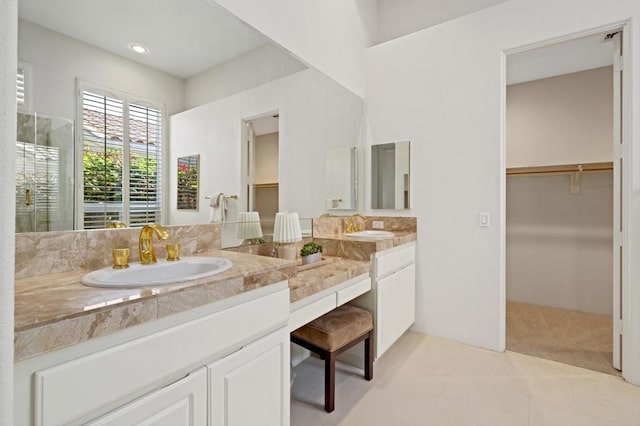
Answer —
(103, 175)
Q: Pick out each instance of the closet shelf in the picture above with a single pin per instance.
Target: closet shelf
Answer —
(562, 168)
(265, 185)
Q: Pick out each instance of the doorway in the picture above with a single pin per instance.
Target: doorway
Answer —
(261, 164)
(562, 203)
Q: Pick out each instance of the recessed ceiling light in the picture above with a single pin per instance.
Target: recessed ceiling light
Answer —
(138, 48)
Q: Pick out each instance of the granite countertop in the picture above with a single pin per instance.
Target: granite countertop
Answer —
(382, 243)
(335, 271)
(347, 257)
(55, 310)
(359, 248)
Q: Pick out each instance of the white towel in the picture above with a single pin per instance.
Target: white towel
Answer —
(216, 201)
(218, 208)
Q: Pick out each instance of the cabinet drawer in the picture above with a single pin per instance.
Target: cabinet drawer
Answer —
(181, 403)
(391, 260)
(353, 291)
(313, 310)
(76, 388)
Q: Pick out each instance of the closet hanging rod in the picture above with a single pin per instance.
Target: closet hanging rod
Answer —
(550, 170)
(234, 196)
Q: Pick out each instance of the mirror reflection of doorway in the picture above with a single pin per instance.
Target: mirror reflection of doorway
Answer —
(262, 181)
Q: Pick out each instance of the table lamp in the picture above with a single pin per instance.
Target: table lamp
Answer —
(286, 234)
(249, 229)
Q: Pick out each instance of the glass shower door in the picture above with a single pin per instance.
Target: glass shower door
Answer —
(44, 174)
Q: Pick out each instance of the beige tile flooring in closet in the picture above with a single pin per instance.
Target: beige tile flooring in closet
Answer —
(428, 381)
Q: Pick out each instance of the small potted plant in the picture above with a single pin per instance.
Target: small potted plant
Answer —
(311, 253)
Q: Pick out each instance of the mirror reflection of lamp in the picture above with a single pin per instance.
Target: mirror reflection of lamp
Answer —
(286, 234)
(249, 228)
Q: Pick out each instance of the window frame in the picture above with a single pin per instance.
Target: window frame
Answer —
(127, 99)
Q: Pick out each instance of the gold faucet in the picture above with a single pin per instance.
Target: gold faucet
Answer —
(116, 224)
(352, 226)
(145, 242)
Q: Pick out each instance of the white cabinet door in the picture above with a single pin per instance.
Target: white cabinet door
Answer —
(183, 403)
(251, 386)
(396, 307)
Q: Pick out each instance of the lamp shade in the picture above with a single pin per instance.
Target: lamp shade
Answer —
(287, 228)
(249, 225)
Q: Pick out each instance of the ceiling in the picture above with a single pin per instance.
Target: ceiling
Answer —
(184, 37)
(560, 58)
(187, 37)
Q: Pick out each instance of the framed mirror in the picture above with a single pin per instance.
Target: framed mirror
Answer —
(341, 179)
(188, 172)
(390, 175)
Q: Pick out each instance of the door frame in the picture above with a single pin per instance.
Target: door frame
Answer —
(247, 168)
(630, 205)
(619, 224)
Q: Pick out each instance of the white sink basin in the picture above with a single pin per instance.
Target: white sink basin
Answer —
(371, 234)
(161, 273)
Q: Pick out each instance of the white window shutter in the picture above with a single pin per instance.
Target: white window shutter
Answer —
(122, 181)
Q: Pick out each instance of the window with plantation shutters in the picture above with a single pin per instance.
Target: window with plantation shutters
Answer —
(22, 83)
(20, 87)
(145, 136)
(122, 146)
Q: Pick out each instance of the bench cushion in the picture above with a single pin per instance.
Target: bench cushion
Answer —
(337, 328)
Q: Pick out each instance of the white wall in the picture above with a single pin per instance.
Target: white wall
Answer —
(443, 89)
(57, 60)
(397, 18)
(266, 158)
(316, 114)
(259, 66)
(567, 119)
(559, 245)
(8, 67)
(330, 35)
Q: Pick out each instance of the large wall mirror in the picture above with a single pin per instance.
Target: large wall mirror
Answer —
(204, 71)
(390, 175)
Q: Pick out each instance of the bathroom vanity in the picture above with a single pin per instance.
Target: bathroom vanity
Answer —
(232, 356)
(207, 365)
(204, 352)
(391, 298)
(214, 351)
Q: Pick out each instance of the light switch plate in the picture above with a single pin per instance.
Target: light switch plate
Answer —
(484, 219)
(377, 224)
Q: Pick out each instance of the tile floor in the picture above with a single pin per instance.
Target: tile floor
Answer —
(428, 381)
(570, 337)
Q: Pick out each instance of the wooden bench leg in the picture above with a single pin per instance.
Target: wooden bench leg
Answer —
(368, 356)
(329, 381)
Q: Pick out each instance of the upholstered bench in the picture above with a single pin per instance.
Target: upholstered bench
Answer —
(332, 334)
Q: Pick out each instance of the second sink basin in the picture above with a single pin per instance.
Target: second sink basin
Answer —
(371, 233)
(161, 273)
